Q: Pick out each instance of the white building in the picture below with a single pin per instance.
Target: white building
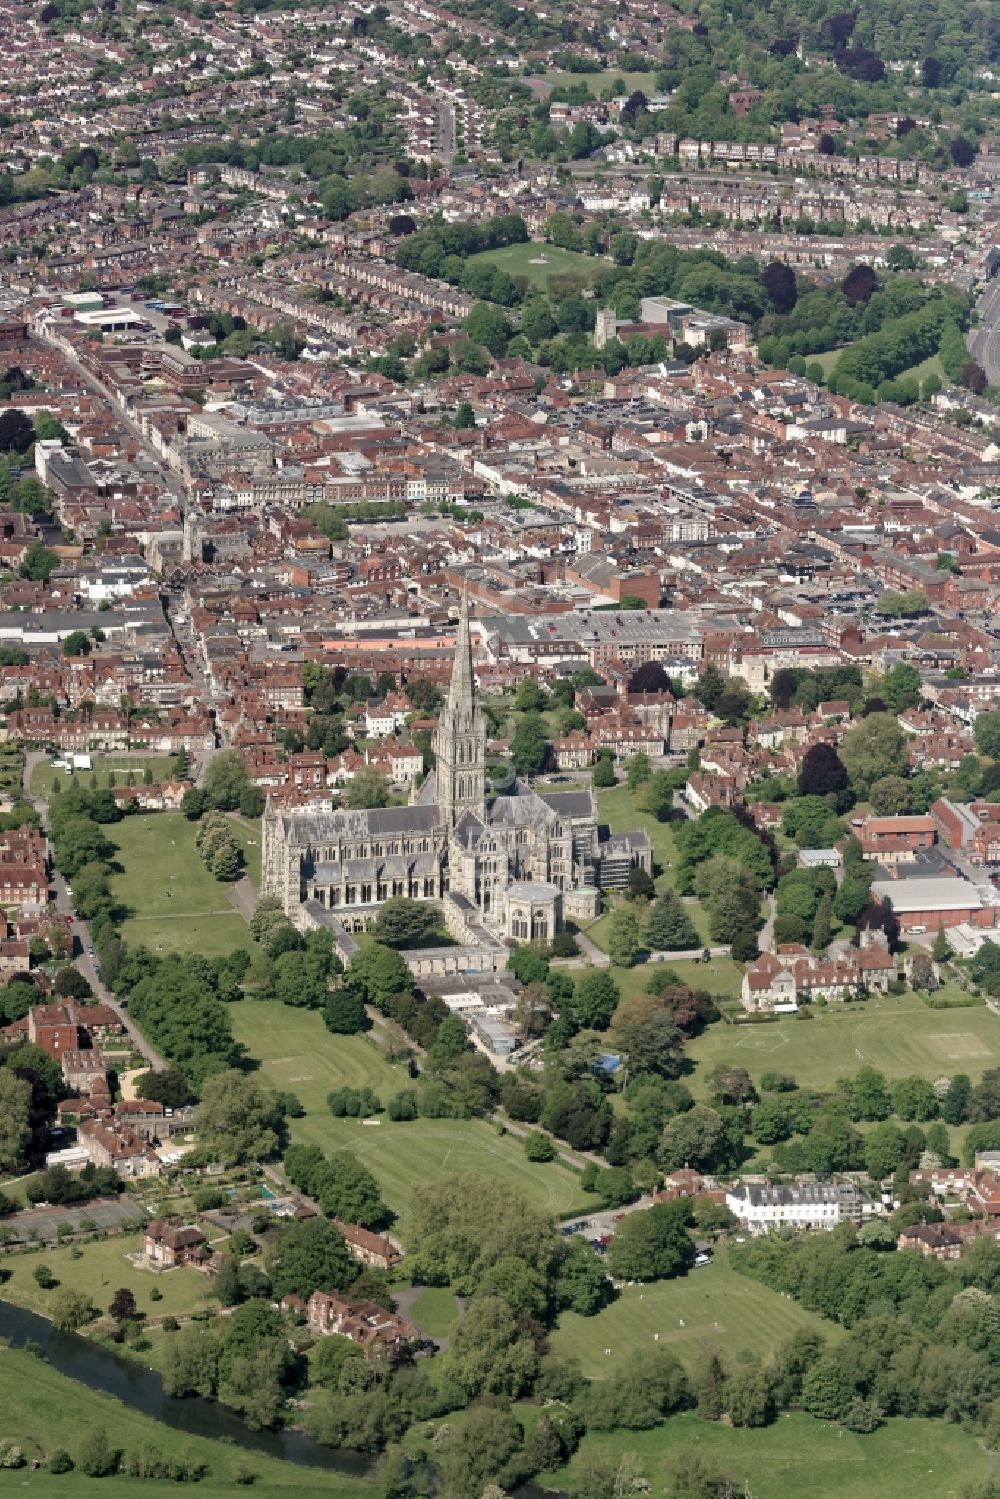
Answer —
(761, 1207)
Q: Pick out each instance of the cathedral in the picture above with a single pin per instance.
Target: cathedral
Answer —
(518, 866)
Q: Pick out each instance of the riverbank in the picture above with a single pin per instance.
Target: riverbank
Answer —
(57, 1401)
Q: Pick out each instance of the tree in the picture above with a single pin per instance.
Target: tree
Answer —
(70, 1310)
(693, 1139)
(169, 1087)
(884, 1149)
(596, 996)
(641, 885)
(76, 643)
(122, 1307)
(941, 950)
(986, 733)
(645, 1029)
(344, 1013)
(778, 281)
(376, 974)
(653, 1244)
(529, 748)
(624, 938)
(95, 1455)
(902, 687)
(15, 1120)
(604, 771)
(822, 772)
(954, 1105)
(668, 926)
(488, 1354)
(963, 152)
(367, 789)
(16, 431)
(859, 285)
(238, 1119)
(38, 563)
(890, 796)
(876, 748)
(225, 780)
(822, 932)
(310, 1255)
(638, 771)
(914, 1098)
(402, 922)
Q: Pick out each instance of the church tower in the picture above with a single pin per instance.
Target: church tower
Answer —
(460, 742)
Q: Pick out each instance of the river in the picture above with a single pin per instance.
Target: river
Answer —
(142, 1390)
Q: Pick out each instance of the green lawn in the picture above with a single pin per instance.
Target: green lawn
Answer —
(300, 1054)
(596, 82)
(43, 1410)
(175, 905)
(435, 1312)
(45, 776)
(799, 1456)
(526, 260)
(99, 1272)
(930, 366)
(710, 1309)
(900, 1036)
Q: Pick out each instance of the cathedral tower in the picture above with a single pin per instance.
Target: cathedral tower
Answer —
(460, 742)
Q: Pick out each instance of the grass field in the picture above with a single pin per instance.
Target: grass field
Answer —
(42, 1410)
(175, 905)
(710, 1309)
(596, 82)
(900, 1036)
(798, 1456)
(435, 1312)
(101, 1270)
(45, 776)
(519, 260)
(930, 366)
(300, 1054)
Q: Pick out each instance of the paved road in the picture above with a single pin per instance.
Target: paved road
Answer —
(170, 479)
(984, 340)
(446, 131)
(83, 957)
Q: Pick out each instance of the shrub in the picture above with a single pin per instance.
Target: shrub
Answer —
(208, 1199)
(60, 1461)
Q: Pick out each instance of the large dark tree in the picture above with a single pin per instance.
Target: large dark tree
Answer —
(16, 432)
(973, 377)
(778, 280)
(963, 152)
(649, 677)
(859, 284)
(822, 772)
(930, 72)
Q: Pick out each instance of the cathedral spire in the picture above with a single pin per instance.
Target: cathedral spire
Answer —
(461, 693)
(460, 742)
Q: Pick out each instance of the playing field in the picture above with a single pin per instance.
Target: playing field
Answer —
(538, 261)
(799, 1456)
(300, 1054)
(710, 1309)
(43, 1410)
(175, 905)
(900, 1036)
